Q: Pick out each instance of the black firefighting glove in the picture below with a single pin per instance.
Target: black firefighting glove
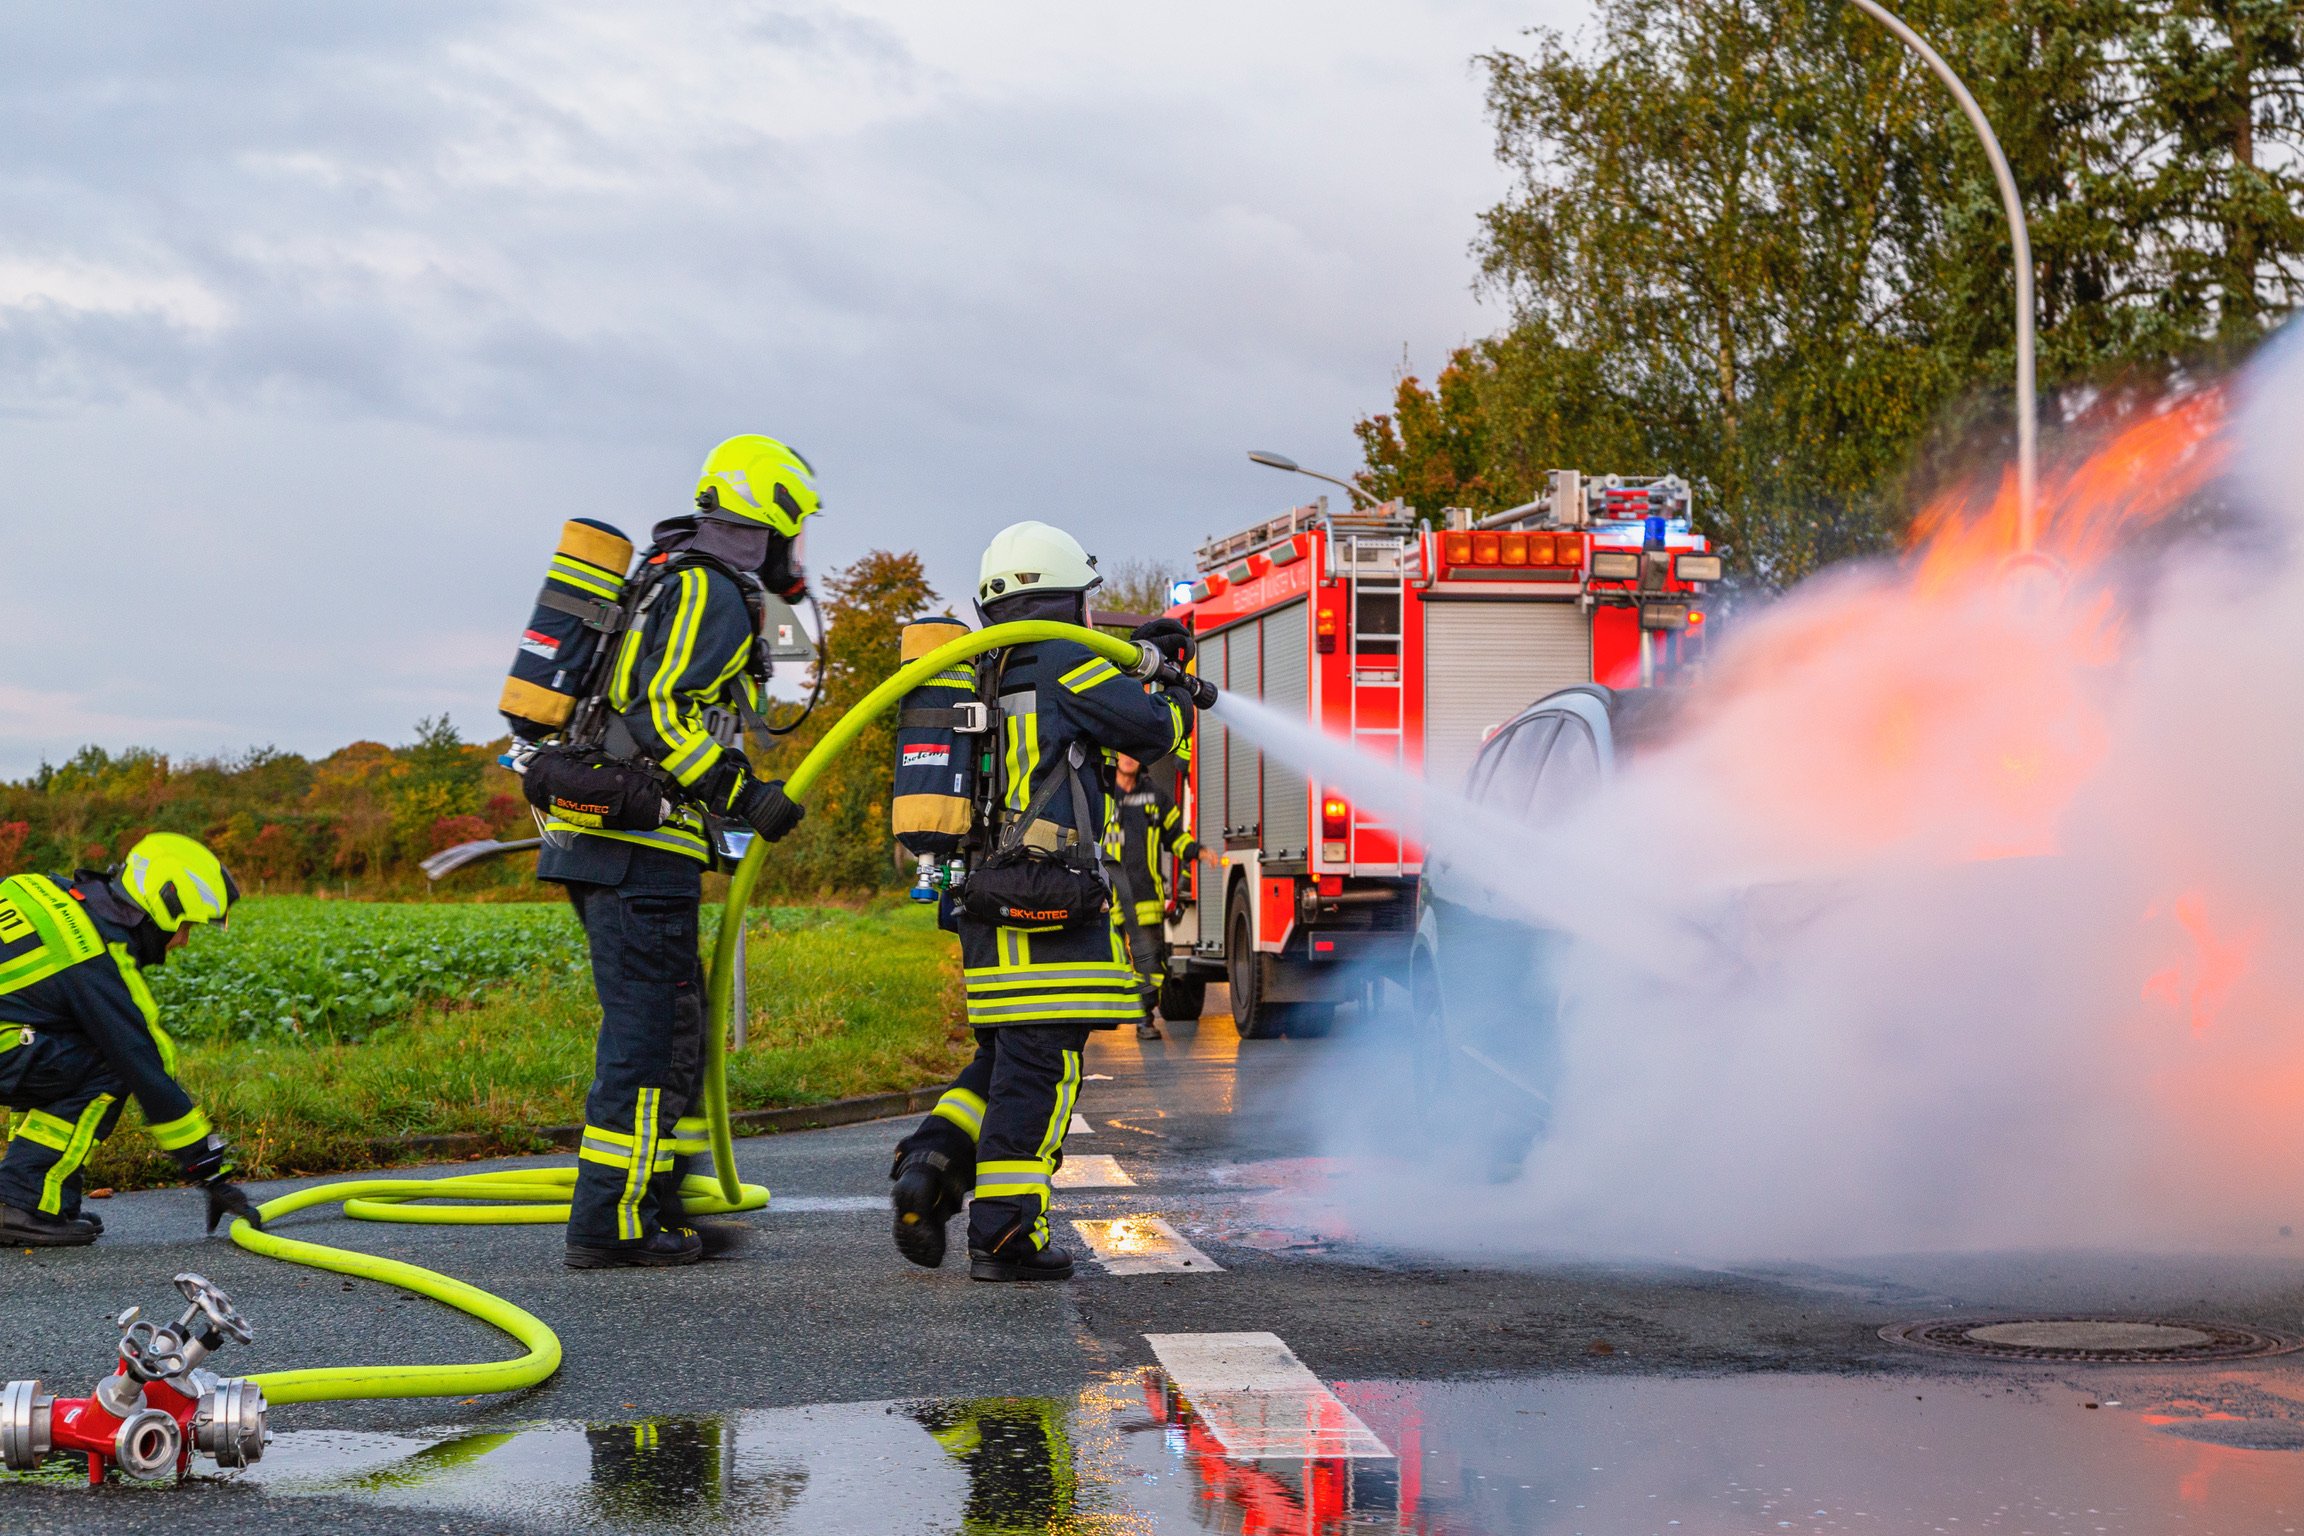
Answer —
(763, 806)
(1168, 636)
(226, 1198)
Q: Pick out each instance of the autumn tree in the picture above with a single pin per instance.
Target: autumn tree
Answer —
(844, 844)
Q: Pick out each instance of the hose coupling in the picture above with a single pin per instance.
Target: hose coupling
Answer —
(1148, 662)
(25, 1425)
(148, 1444)
(230, 1423)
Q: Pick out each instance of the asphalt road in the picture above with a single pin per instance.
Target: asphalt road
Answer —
(814, 1381)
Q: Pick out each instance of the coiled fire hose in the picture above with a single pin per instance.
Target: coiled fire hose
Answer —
(540, 1195)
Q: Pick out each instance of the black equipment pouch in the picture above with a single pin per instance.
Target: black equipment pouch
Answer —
(1019, 887)
(593, 788)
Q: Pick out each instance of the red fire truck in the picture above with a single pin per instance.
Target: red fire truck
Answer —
(1412, 642)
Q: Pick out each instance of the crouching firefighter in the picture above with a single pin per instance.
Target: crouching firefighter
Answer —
(649, 761)
(79, 1032)
(1042, 962)
(1144, 825)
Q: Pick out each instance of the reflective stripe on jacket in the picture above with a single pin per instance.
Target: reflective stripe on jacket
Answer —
(1055, 695)
(66, 970)
(688, 653)
(1144, 823)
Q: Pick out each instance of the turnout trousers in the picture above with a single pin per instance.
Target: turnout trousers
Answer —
(65, 1098)
(1140, 925)
(643, 1120)
(1001, 1125)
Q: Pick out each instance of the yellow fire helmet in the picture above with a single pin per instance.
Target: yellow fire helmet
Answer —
(755, 479)
(178, 881)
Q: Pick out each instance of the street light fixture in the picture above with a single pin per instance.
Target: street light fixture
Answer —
(1282, 461)
(2027, 416)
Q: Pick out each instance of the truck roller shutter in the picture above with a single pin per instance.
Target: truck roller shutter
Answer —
(1484, 662)
(1208, 809)
(1287, 688)
(1243, 807)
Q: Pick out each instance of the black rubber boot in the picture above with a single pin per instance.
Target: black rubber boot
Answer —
(721, 1239)
(36, 1229)
(924, 1202)
(661, 1250)
(1020, 1263)
(90, 1217)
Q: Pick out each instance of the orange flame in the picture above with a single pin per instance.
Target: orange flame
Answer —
(1953, 705)
(2137, 477)
(2216, 964)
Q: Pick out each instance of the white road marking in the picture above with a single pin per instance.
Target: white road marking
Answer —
(1098, 1077)
(1144, 1245)
(1260, 1401)
(1093, 1170)
(1080, 1127)
(828, 1203)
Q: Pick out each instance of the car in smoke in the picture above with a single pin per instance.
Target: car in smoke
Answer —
(1485, 996)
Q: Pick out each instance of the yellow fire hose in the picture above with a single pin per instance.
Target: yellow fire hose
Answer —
(540, 1195)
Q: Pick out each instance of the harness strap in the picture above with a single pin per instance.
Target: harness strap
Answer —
(597, 613)
(1014, 835)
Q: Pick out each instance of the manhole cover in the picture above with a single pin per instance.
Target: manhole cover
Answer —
(2086, 1340)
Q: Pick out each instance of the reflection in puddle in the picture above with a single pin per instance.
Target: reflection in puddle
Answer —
(2098, 1453)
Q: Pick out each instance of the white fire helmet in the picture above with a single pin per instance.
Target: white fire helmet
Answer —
(1033, 557)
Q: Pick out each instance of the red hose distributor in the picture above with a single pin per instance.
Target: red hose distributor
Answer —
(158, 1406)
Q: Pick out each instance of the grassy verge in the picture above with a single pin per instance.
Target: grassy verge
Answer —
(842, 1003)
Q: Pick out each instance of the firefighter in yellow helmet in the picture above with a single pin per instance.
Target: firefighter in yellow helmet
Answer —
(79, 1032)
(683, 674)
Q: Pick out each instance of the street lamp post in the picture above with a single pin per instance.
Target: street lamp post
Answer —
(1282, 461)
(2027, 416)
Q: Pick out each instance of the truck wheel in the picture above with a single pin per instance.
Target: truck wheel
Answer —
(1255, 1018)
(1183, 998)
(1310, 1021)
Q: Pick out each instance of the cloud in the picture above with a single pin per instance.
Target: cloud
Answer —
(428, 278)
(54, 723)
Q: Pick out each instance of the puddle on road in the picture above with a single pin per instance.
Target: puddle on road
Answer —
(2205, 1452)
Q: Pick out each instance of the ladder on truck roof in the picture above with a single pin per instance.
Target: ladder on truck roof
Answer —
(1377, 565)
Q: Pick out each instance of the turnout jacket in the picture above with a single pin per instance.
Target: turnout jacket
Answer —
(689, 653)
(1144, 824)
(1055, 696)
(70, 952)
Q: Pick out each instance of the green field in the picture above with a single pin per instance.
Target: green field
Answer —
(295, 967)
(312, 1029)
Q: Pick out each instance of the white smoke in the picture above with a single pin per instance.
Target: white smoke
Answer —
(1964, 911)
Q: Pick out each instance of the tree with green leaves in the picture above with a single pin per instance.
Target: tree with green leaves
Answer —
(1755, 243)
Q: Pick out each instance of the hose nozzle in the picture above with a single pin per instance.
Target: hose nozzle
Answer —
(1203, 692)
(1153, 666)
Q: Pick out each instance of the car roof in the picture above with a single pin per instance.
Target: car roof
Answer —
(1638, 718)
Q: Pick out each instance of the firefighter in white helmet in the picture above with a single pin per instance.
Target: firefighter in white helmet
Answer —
(1035, 989)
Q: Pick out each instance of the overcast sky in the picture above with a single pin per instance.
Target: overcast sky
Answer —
(315, 320)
